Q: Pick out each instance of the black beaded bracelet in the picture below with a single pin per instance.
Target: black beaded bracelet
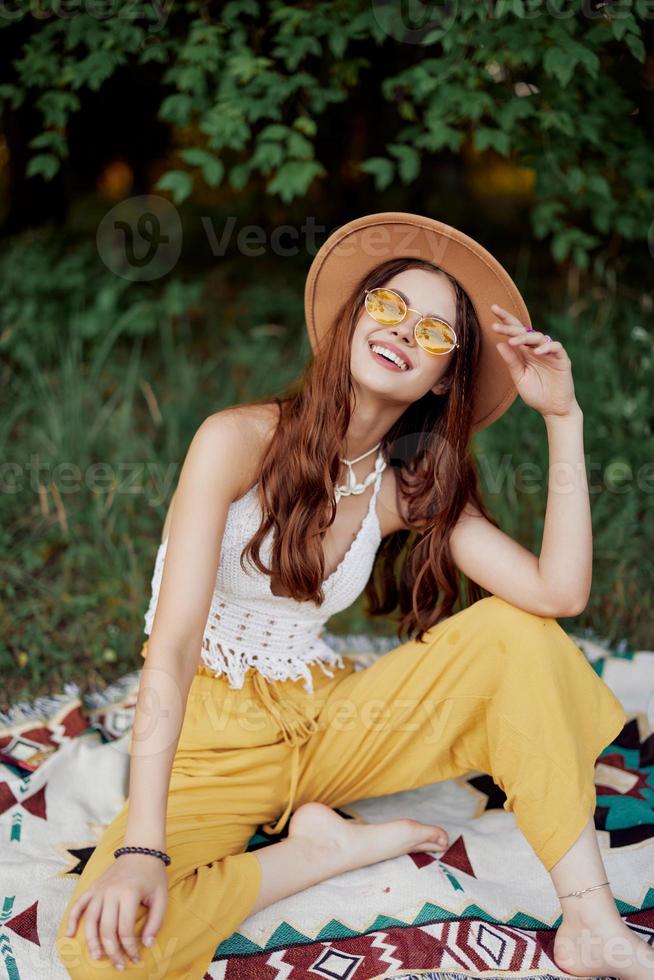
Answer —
(143, 850)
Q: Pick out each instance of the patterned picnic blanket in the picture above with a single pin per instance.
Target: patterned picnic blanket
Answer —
(467, 913)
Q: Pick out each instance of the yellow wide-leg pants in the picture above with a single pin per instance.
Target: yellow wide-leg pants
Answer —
(492, 688)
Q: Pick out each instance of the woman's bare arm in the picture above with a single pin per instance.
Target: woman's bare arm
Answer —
(556, 583)
(222, 462)
(217, 469)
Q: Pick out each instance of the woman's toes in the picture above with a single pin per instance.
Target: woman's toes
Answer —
(426, 837)
(436, 840)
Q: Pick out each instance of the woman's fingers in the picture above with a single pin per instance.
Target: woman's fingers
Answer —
(550, 346)
(155, 918)
(76, 910)
(515, 329)
(531, 338)
(505, 316)
(91, 923)
(520, 336)
(537, 341)
(109, 930)
(126, 921)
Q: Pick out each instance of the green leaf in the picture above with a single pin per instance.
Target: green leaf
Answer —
(432, 37)
(16, 95)
(600, 185)
(56, 106)
(176, 109)
(439, 134)
(95, 69)
(225, 126)
(636, 46)
(621, 24)
(293, 179)
(560, 64)
(267, 156)
(485, 138)
(50, 139)
(503, 8)
(381, 169)
(337, 41)
(239, 176)
(191, 78)
(544, 217)
(569, 239)
(559, 121)
(299, 146)
(178, 182)
(587, 58)
(246, 66)
(42, 164)
(234, 11)
(407, 111)
(305, 125)
(580, 256)
(515, 111)
(408, 161)
(154, 52)
(212, 168)
(274, 132)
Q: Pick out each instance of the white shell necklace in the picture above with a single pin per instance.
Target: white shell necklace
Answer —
(351, 485)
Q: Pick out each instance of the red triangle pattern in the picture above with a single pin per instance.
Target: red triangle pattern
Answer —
(7, 798)
(25, 925)
(34, 804)
(457, 857)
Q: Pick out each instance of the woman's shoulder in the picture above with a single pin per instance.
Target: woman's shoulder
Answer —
(246, 431)
(256, 426)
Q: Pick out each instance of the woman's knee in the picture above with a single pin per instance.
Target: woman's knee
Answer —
(516, 631)
(507, 614)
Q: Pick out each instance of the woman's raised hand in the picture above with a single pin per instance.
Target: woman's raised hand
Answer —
(111, 904)
(540, 368)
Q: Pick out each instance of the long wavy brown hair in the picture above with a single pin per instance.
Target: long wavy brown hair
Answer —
(414, 578)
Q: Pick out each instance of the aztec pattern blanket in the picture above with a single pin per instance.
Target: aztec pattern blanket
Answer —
(467, 913)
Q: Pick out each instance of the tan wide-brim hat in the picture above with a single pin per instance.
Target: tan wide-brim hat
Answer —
(357, 247)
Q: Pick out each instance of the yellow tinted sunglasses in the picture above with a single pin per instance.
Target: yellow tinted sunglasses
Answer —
(387, 307)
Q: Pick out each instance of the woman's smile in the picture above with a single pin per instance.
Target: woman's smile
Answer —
(389, 359)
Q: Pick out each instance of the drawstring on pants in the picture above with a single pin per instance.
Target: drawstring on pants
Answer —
(296, 730)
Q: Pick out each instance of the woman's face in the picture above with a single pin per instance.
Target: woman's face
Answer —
(429, 292)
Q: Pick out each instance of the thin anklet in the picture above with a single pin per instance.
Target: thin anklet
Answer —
(581, 892)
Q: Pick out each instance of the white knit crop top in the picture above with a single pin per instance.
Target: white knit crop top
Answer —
(249, 626)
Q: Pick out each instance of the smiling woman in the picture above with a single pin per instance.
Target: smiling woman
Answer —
(261, 552)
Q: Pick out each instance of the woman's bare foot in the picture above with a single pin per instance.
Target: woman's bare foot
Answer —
(321, 844)
(346, 845)
(602, 948)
